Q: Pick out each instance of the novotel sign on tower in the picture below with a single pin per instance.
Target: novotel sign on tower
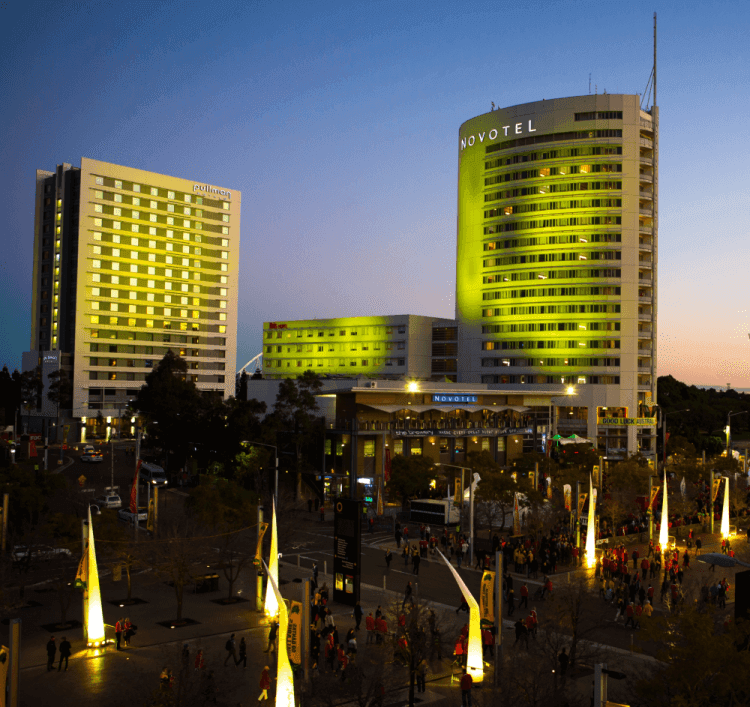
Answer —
(212, 190)
(504, 130)
(445, 398)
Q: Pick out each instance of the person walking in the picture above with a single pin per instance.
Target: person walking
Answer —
(415, 561)
(524, 597)
(271, 636)
(128, 630)
(51, 650)
(563, 659)
(421, 674)
(315, 573)
(322, 518)
(466, 685)
(407, 594)
(118, 633)
(370, 627)
(358, 614)
(265, 684)
(200, 663)
(64, 653)
(243, 653)
(231, 648)
(388, 558)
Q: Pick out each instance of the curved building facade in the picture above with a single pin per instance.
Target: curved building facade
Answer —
(556, 258)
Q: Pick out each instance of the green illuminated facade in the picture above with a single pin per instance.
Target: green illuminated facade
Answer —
(556, 256)
(385, 347)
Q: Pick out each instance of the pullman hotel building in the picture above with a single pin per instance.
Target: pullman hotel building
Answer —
(128, 265)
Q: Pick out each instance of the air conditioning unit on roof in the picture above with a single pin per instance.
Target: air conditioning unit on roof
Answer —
(373, 384)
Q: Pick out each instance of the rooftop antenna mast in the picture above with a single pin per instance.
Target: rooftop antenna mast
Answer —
(654, 197)
(589, 83)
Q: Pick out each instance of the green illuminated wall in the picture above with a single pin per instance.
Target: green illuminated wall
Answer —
(394, 346)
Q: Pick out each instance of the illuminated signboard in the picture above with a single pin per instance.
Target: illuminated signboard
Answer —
(446, 398)
(639, 421)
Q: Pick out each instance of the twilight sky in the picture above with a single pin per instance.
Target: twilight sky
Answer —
(338, 122)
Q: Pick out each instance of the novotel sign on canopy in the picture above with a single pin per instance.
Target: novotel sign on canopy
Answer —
(444, 398)
(212, 190)
(515, 129)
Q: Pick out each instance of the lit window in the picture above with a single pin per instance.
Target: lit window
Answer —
(96, 263)
(225, 218)
(97, 250)
(115, 266)
(225, 243)
(225, 230)
(97, 222)
(170, 260)
(152, 204)
(94, 318)
(224, 279)
(170, 233)
(222, 316)
(118, 198)
(151, 270)
(224, 254)
(224, 267)
(170, 222)
(118, 184)
(133, 282)
(149, 310)
(150, 323)
(151, 231)
(188, 198)
(152, 218)
(196, 263)
(151, 284)
(152, 257)
(134, 255)
(134, 228)
(132, 295)
(97, 195)
(186, 210)
(99, 180)
(170, 208)
(136, 201)
(117, 211)
(222, 329)
(95, 305)
(115, 252)
(98, 208)
(222, 304)
(115, 238)
(95, 291)
(136, 187)
(170, 195)
(116, 225)
(223, 293)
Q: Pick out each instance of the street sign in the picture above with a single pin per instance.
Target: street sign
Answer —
(88, 490)
(81, 480)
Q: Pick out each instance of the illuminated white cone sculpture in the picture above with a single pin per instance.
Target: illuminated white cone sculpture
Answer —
(284, 676)
(272, 604)
(474, 664)
(94, 617)
(725, 511)
(590, 530)
(664, 529)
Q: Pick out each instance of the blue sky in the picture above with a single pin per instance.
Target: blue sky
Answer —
(338, 123)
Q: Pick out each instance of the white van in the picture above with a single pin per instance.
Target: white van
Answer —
(153, 474)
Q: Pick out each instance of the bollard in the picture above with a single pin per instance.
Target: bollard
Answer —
(325, 566)
(568, 577)
(384, 589)
(298, 559)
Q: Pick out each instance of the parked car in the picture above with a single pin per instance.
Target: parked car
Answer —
(92, 457)
(153, 474)
(109, 500)
(39, 552)
(127, 515)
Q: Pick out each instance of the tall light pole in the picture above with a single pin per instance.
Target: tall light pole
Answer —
(471, 502)
(730, 415)
(664, 431)
(276, 466)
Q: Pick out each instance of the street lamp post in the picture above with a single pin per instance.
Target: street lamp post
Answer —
(276, 467)
(471, 503)
(730, 415)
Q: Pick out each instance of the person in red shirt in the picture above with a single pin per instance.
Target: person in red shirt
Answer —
(343, 662)
(487, 643)
(381, 629)
(465, 631)
(466, 684)
(370, 627)
(638, 614)
(534, 622)
(401, 622)
(629, 613)
(524, 596)
(644, 566)
(575, 556)
(265, 683)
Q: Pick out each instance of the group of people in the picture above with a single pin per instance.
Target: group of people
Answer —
(124, 629)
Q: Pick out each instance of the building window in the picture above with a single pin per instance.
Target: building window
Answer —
(99, 180)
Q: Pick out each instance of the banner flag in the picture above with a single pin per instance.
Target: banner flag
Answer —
(387, 469)
(294, 633)
(379, 507)
(533, 480)
(486, 600)
(458, 493)
(82, 573)
(549, 487)
(654, 494)
(568, 493)
(259, 549)
(715, 488)
(133, 489)
(516, 517)
(581, 503)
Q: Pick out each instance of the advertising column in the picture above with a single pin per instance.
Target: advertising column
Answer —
(347, 550)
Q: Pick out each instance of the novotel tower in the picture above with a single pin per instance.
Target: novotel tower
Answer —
(128, 265)
(556, 260)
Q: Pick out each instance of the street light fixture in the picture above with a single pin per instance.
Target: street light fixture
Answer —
(730, 415)
(471, 503)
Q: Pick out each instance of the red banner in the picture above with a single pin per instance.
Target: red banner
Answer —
(32, 449)
(133, 506)
(387, 465)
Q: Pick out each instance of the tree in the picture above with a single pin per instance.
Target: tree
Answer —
(497, 491)
(295, 423)
(170, 404)
(31, 387)
(410, 476)
(694, 638)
